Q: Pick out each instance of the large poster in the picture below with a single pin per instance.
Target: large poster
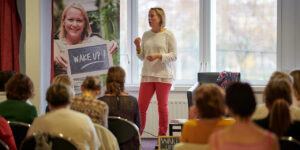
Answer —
(85, 38)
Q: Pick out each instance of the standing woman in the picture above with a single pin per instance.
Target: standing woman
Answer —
(157, 50)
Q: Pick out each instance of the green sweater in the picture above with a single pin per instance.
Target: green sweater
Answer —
(17, 110)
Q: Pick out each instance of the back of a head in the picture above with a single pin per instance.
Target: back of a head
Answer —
(91, 84)
(19, 87)
(115, 80)
(5, 75)
(210, 101)
(277, 89)
(62, 79)
(58, 95)
(277, 96)
(277, 75)
(240, 99)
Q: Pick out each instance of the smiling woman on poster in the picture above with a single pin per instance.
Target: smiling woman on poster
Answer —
(74, 29)
(157, 50)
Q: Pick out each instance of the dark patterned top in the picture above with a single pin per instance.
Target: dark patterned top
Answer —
(95, 109)
(126, 107)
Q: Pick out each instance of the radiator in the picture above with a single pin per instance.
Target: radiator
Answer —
(177, 110)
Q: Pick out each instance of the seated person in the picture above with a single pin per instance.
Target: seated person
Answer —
(87, 102)
(209, 100)
(61, 119)
(4, 77)
(6, 134)
(278, 99)
(62, 79)
(120, 103)
(243, 134)
(261, 110)
(18, 89)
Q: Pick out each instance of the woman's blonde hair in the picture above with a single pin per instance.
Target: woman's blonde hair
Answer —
(62, 79)
(87, 31)
(91, 83)
(161, 14)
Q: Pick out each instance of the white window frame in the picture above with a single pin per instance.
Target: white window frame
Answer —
(286, 44)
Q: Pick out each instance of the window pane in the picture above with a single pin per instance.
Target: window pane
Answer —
(245, 37)
(182, 18)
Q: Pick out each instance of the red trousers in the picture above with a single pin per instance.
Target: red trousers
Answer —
(146, 92)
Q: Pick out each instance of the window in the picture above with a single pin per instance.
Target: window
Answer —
(244, 38)
(211, 35)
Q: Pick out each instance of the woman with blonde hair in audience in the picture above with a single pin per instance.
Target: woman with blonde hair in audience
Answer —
(278, 98)
(120, 103)
(243, 134)
(296, 84)
(209, 101)
(87, 102)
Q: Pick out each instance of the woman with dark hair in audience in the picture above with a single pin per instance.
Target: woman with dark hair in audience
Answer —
(278, 98)
(243, 134)
(18, 89)
(87, 102)
(119, 102)
(6, 134)
(209, 100)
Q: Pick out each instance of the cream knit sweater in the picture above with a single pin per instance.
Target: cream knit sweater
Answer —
(164, 43)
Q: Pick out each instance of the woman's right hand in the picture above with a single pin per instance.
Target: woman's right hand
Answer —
(59, 59)
(137, 43)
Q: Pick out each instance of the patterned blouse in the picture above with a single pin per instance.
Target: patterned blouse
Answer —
(95, 109)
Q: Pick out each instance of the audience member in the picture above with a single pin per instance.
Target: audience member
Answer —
(18, 89)
(4, 77)
(209, 100)
(296, 84)
(278, 98)
(62, 79)
(6, 134)
(61, 119)
(87, 102)
(120, 103)
(243, 134)
(262, 110)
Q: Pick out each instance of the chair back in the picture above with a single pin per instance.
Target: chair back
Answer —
(107, 139)
(289, 143)
(3, 145)
(123, 129)
(190, 146)
(19, 130)
(44, 141)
